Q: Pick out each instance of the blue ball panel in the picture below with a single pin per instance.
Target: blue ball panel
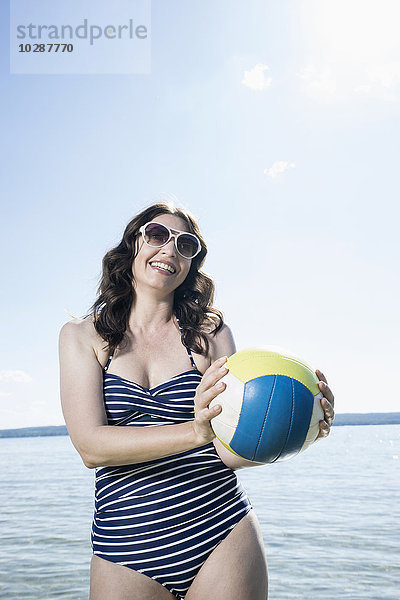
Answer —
(274, 419)
(277, 421)
(256, 403)
(302, 409)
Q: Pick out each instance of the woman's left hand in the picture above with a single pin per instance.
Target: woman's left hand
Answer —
(327, 404)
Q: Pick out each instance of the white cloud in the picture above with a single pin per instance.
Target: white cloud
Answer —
(386, 75)
(318, 79)
(255, 78)
(279, 167)
(365, 88)
(15, 376)
(381, 79)
(4, 394)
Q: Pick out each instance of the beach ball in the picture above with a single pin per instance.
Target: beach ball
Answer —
(270, 408)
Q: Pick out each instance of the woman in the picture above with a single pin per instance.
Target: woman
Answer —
(137, 377)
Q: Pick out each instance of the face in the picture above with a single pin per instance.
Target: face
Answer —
(162, 268)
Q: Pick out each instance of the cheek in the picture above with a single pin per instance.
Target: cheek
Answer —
(140, 255)
(136, 265)
(185, 271)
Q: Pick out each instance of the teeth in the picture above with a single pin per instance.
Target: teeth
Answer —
(161, 265)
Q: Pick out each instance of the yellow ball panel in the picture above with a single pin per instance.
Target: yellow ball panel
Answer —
(251, 363)
(228, 447)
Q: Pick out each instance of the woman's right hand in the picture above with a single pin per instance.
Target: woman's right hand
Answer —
(208, 389)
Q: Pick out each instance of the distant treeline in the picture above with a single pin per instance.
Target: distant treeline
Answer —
(341, 419)
(367, 419)
(34, 431)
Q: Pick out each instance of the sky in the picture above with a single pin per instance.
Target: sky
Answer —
(276, 123)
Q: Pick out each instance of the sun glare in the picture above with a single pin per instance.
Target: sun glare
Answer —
(352, 46)
(356, 30)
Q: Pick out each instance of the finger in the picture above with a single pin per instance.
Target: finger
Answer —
(324, 430)
(321, 376)
(327, 392)
(329, 413)
(220, 361)
(203, 400)
(213, 392)
(208, 413)
(214, 373)
(209, 384)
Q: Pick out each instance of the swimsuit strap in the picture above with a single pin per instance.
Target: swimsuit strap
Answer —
(108, 362)
(187, 350)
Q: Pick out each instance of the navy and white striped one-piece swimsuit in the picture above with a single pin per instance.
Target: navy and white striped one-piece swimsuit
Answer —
(163, 517)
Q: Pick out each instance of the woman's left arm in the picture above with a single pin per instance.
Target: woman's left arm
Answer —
(223, 344)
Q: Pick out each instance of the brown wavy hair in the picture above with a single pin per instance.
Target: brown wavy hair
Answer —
(192, 299)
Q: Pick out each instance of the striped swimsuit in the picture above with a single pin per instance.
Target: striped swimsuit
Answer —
(163, 517)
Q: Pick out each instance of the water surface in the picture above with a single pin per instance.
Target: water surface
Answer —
(329, 517)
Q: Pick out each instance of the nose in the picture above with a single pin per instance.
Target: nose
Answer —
(170, 248)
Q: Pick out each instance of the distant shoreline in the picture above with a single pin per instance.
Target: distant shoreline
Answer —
(341, 419)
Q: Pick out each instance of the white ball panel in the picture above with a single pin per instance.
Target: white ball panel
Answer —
(316, 417)
(231, 400)
(223, 431)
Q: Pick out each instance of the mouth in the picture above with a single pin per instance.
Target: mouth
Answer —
(162, 267)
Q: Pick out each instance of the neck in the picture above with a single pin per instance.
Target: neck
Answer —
(149, 312)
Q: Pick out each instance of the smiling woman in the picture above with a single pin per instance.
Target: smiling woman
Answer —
(193, 294)
(137, 376)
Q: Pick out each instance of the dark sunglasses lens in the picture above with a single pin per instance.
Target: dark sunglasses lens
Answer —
(187, 245)
(156, 234)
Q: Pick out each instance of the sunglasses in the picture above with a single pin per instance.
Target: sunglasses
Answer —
(158, 235)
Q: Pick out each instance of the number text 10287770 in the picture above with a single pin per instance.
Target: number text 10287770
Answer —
(46, 48)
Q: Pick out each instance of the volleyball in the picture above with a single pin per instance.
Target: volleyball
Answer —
(270, 407)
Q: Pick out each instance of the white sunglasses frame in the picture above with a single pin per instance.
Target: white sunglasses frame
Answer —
(171, 235)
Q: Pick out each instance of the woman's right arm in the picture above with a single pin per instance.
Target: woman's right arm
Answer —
(100, 444)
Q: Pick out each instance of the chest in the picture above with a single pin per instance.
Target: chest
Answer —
(151, 360)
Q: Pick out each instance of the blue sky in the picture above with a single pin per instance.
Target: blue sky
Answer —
(277, 125)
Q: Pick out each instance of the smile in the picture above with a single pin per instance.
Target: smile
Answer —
(163, 266)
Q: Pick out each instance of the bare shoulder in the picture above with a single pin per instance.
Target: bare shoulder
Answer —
(81, 333)
(221, 342)
(77, 329)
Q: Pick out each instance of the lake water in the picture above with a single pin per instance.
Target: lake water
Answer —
(330, 518)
